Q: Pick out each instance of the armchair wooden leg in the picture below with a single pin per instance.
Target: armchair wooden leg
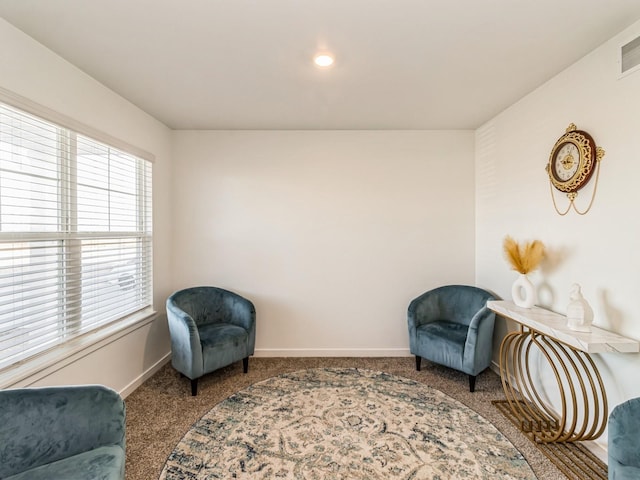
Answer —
(245, 364)
(418, 362)
(472, 383)
(194, 387)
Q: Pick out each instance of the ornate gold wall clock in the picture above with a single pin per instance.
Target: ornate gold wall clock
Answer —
(574, 159)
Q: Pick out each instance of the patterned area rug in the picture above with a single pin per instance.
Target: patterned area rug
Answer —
(335, 424)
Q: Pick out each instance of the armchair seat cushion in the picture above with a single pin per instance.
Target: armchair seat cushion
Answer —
(218, 335)
(443, 342)
(102, 463)
(222, 344)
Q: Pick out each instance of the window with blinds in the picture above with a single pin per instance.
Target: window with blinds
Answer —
(75, 235)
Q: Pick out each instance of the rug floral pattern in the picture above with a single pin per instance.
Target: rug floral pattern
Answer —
(339, 424)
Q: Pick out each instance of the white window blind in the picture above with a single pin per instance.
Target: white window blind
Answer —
(75, 235)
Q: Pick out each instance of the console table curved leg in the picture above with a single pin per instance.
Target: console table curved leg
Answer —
(579, 387)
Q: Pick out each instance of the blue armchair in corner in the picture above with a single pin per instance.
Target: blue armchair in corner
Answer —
(210, 328)
(624, 441)
(62, 433)
(452, 326)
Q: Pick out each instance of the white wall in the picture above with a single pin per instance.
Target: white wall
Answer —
(598, 250)
(329, 233)
(29, 69)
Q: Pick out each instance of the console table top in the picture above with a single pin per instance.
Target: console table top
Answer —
(555, 326)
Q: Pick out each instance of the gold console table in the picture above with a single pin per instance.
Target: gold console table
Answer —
(582, 395)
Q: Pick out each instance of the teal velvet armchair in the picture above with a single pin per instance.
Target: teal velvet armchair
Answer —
(452, 326)
(624, 441)
(210, 328)
(62, 433)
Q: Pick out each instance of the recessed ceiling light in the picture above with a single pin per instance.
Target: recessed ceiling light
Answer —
(323, 60)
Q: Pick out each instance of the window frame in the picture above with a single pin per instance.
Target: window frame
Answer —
(103, 334)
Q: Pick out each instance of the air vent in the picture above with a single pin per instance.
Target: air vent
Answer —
(630, 56)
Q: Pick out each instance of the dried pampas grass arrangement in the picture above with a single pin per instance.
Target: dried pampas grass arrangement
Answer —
(523, 258)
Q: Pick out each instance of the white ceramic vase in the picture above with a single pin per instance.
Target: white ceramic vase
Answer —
(523, 292)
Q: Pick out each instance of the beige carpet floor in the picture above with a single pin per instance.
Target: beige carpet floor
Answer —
(162, 410)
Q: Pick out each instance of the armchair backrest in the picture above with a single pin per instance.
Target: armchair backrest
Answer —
(454, 303)
(207, 305)
(42, 425)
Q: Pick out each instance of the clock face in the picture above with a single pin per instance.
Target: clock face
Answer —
(566, 162)
(572, 160)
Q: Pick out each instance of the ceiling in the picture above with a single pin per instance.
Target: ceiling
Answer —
(400, 64)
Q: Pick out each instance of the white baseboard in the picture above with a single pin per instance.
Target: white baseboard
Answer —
(495, 368)
(598, 449)
(332, 352)
(126, 391)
